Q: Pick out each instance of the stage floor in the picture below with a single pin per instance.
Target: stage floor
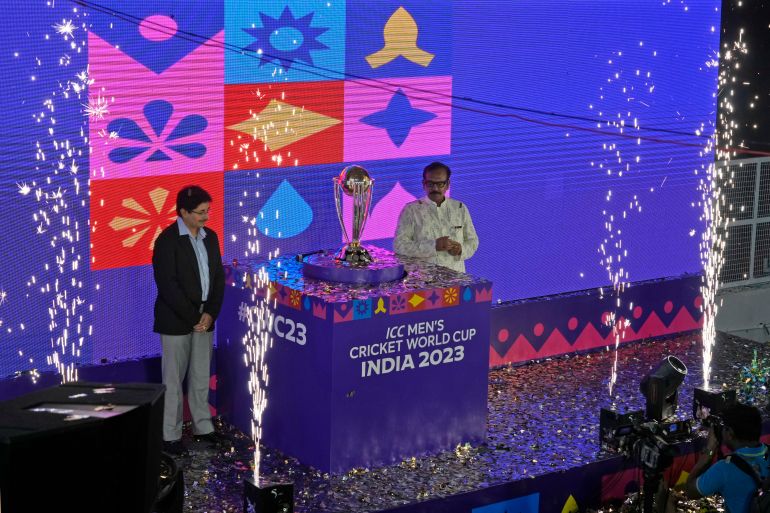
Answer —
(543, 417)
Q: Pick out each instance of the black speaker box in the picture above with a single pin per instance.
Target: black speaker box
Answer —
(83, 447)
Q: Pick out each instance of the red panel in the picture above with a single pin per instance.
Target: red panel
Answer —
(127, 214)
(310, 116)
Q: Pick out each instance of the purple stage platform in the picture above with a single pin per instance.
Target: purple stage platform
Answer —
(541, 451)
(359, 375)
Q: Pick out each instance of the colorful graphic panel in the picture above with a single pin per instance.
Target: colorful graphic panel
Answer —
(294, 41)
(129, 213)
(156, 124)
(398, 39)
(291, 209)
(524, 331)
(157, 34)
(283, 124)
(397, 118)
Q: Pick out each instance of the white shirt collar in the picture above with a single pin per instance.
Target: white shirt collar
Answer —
(428, 201)
(184, 230)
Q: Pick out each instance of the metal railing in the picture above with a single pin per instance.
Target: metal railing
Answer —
(745, 185)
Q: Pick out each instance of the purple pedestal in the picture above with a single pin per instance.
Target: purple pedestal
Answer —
(325, 266)
(362, 375)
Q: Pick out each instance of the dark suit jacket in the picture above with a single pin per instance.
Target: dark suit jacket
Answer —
(177, 308)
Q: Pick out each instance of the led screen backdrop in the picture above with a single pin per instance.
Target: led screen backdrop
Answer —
(575, 131)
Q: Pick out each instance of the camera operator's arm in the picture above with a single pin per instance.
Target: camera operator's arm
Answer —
(705, 459)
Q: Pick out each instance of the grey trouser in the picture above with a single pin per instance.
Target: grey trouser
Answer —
(191, 355)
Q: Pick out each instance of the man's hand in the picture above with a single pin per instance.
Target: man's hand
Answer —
(713, 442)
(455, 248)
(451, 246)
(703, 462)
(443, 243)
(204, 324)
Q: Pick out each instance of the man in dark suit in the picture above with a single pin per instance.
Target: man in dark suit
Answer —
(187, 265)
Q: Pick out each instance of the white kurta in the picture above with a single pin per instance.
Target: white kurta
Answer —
(422, 222)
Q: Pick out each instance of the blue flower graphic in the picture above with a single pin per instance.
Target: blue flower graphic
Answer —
(290, 39)
(397, 304)
(157, 113)
(363, 308)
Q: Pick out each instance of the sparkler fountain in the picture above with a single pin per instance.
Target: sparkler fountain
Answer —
(60, 195)
(624, 87)
(260, 496)
(718, 177)
(258, 315)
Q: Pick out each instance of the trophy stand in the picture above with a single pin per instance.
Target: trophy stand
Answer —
(354, 263)
(354, 253)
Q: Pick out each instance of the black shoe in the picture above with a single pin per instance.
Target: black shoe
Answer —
(214, 439)
(175, 448)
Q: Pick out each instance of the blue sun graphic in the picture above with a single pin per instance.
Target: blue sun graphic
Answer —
(285, 39)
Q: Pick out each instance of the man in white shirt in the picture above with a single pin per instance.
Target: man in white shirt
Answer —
(436, 228)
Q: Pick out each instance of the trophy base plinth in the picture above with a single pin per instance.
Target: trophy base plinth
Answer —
(354, 255)
(383, 267)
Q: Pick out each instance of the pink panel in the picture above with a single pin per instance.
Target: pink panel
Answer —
(192, 86)
(383, 217)
(366, 142)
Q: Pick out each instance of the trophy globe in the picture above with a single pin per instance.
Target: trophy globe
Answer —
(354, 181)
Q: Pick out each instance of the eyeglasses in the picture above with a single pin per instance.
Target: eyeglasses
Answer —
(202, 213)
(430, 184)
